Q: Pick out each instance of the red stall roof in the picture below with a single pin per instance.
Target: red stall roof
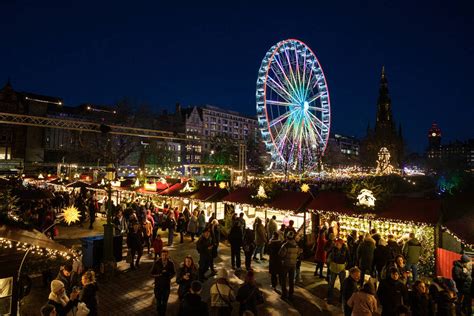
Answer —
(331, 201)
(419, 210)
(291, 201)
(208, 194)
(463, 227)
(174, 189)
(241, 196)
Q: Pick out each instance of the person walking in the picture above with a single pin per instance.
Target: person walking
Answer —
(147, 229)
(352, 247)
(249, 247)
(272, 226)
(201, 222)
(163, 271)
(411, 251)
(58, 298)
(289, 254)
(216, 238)
(181, 227)
(392, 293)
(171, 225)
(88, 294)
(337, 261)
(135, 245)
(320, 254)
(249, 295)
(204, 247)
(363, 302)
(187, 273)
(235, 239)
(274, 266)
(222, 295)
(193, 225)
(157, 246)
(348, 288)
(365, 256)
(260, 239)
(192, 303)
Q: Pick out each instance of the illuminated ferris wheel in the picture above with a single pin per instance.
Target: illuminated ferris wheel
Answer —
(293, 106)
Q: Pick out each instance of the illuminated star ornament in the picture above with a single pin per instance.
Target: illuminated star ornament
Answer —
(71, 215)
(366, 198)
(304, 188)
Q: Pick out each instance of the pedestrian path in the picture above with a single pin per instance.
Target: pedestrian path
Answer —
(130, 292)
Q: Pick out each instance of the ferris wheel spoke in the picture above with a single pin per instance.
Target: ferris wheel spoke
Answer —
(318, 121)
(316, 108)
(282, 92)
(292, 74)
(282, 103)
(279, 119)
(288, 81)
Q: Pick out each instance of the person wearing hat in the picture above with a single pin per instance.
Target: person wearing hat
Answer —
(163, 270)
(192, 303)
(288, 254)
(462, 275)
(59, 299)
(249, 294)
(222, 295)
(48, 310)
(392, 293)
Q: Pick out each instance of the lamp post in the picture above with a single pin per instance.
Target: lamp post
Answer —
(108, 227)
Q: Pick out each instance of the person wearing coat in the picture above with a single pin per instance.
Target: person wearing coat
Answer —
(274, 266)
(249, 295)
(201, 222)
(348, 288)
(272, 226)
(187, 273)
(260, 239)
(135, 244)
(381, 257)
(89, 292)
(352, 246)
(392, 293)
(192, 303)
(193, 225)
(365, 256)
(337, 262)
(59, 299)
(461, 273)
(181, 227)
(204, 247)
(235, 239)
(248, 247)
(363, 302)
(418, 300)
(216, 238)
(320, 254)
(411, 251)
(222, 295)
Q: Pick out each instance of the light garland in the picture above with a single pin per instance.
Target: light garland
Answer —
(36, 250)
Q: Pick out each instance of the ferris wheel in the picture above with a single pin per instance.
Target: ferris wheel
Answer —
(293, 106)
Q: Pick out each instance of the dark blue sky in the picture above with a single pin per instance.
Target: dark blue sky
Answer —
(210, 53)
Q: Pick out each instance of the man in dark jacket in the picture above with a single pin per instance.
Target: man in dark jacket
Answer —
(393, 246)
(192, 303)
(412, 251)
(392, 293)
(288, 253)
(204, 247)
(163, 270)
(349, 287)
(65, 276)
(381, 257)
(235, 240)
(462, 276)
(135, 244)
(274, 265)
(365, 255)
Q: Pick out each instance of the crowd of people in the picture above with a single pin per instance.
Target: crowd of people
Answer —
(373, 272)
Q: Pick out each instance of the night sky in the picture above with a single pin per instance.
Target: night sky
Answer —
(205, 53)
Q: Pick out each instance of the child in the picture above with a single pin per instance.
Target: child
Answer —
(157, 245)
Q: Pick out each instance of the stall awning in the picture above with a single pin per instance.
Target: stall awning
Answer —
(291, 201)
(240, 196)
(31, 237)
(418, 210)
(173, 190)
(463, 228)
(330, 201)
(208, 194)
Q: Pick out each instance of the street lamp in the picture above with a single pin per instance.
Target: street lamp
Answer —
(108, 227)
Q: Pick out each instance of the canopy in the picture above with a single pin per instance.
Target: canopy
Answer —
(208, 194)
(79, 184)
(463, 227)
(291, 201)
(420, 210)
(240, 196)
(31, 237)
(173, 190)
(331, 201)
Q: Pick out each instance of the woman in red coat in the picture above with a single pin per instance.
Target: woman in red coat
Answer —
(320, 254)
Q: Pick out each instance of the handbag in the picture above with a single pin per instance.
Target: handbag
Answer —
(229, 304)
(82, 309)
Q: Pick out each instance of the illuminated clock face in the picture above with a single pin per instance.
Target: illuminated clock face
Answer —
(433, 134)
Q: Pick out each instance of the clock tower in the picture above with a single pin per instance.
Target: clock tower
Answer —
(434, 137)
